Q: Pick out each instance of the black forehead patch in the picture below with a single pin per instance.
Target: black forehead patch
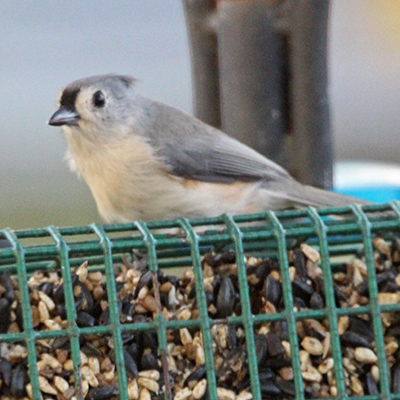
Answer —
(68, 98)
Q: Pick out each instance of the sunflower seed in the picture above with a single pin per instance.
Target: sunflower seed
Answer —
(312, 345)
(365, 355)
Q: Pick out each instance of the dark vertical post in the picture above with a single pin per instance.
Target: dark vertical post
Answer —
(262, 64)
(312, 149)
(252, 75)
(204, 59)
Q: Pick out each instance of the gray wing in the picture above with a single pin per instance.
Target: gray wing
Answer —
(194, 150)
(218, 159)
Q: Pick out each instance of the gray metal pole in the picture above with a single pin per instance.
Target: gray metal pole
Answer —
(313, 154)
(268, 78)
(204, 59)
(252, 75)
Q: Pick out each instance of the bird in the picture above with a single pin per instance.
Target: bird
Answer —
(145, 160)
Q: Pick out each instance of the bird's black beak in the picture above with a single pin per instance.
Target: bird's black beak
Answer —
(64, 117)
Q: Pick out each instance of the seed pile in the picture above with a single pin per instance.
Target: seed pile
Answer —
(186, 361)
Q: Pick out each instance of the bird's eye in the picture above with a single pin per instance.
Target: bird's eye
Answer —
(99, 99)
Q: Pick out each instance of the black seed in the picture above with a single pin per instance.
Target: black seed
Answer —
(210, 298)
(85, 320)
(61, 310)
(277, 363)
(140, 319)
(266, 374)
(300, 264)
(192, 293)
(196, 376)
(119, 286)
(389, 287)
(20, 317)
(104, 318)
(145, 280)
(361, 327)
(130, 365)
(395, 251)
(86, 297)
(90, 350)
(381, 280)
(127, 337)
(309, 393)
(316, 301)
(216, 283)
(215, 260)
(387, 279)
(339, 295)
(133, 350)
(354, 339)
(150, 341)
(225, 298)
(79, 303)
(149, 361)
(341, 268)
(262, 270)
(61, 342)
(269, 389)
(273, 291)
(370, 384)
(319, 284)
(5, 315)
(394, 331)
(161, 396)
(7, 284)
(242, 385)
(261, 347)
(65, 374)
(129, 310)
(172, 279)
(164, 299)
(274, 345)
(362, 288)
(302, 290)
(395, 374)
(286, 387)
(18, 381)
(281, 330)
(5, 371)
(314, 329)
(58, 294)
(231, 339)
(238, 305)
(299, 302)
(102, 392)
(47, 288)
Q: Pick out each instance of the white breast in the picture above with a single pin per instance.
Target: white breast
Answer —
(129, 183)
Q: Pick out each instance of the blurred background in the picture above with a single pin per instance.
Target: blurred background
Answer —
(45, 45)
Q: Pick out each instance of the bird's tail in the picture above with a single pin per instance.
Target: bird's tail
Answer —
(309, 195)
(298, 196)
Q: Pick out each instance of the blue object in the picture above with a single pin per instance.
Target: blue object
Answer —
(376, 194)
(372, 181)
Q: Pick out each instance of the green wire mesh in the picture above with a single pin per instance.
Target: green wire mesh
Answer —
(337, 232)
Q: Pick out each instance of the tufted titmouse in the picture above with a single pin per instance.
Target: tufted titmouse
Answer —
(144, 160)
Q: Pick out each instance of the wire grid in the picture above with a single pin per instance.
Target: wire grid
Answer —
(332, 237)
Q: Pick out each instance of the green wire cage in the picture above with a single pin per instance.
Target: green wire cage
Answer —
(260, 246)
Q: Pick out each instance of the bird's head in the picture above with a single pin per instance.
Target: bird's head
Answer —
(96, 106)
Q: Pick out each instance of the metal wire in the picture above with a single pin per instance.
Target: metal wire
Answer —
(272, 237)
(73, 331)
(330, 300)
